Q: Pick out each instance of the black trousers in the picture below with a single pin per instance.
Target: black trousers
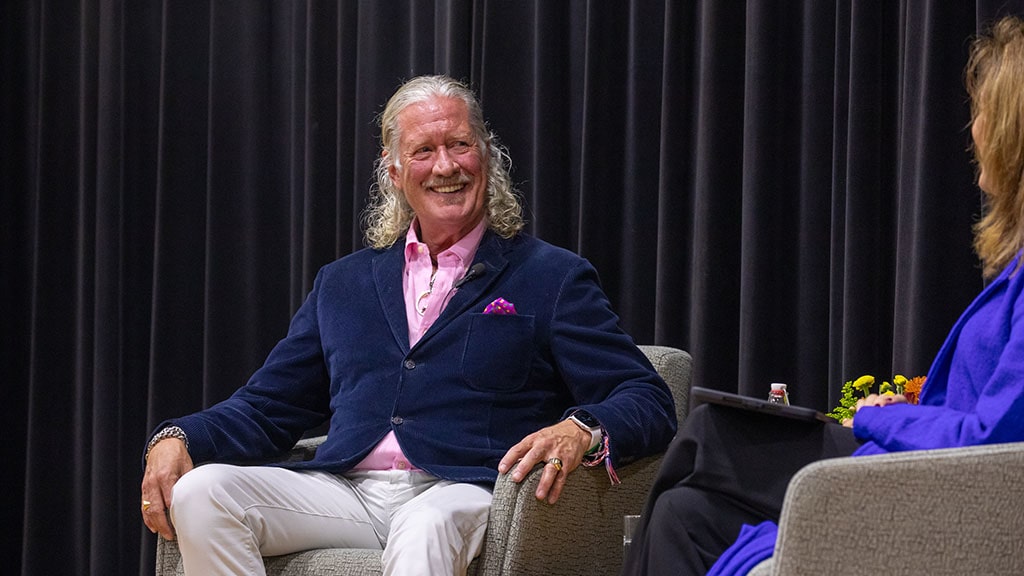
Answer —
(726, 467)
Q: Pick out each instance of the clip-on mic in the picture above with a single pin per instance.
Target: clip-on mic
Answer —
(475, 271)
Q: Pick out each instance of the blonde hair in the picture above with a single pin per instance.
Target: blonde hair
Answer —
(995, 82)
(388, 215)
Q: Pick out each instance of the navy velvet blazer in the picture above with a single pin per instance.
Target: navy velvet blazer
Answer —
(474, 385)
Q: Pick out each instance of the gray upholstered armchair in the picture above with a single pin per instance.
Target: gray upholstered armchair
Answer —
(938, 512)
(580, 534)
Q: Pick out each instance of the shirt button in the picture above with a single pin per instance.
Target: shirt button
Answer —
(410, 364)
(396, 420)
(400, 465)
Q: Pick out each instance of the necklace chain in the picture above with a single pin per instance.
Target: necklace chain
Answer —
(421, 306)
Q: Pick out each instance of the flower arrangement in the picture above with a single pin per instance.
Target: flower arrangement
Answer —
(854, 390)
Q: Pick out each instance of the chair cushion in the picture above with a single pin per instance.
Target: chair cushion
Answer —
(326, 562)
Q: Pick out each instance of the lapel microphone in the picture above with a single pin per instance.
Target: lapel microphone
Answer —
(475, 271)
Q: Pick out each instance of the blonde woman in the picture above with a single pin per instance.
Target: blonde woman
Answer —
(718, 495)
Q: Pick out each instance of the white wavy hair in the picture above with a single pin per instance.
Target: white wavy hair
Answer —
(388, 215)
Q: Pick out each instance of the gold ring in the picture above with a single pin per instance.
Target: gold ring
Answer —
(556, 463)
(146, 504)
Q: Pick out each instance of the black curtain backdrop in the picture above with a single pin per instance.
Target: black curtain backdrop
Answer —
(782, 188)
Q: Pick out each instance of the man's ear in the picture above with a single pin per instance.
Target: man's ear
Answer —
(392, 169)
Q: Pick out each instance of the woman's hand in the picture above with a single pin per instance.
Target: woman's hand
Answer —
(880, 400)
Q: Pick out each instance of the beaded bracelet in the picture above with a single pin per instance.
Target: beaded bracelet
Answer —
(601, 453)
(168, 432)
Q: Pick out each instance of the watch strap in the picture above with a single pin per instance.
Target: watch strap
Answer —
(596, 432)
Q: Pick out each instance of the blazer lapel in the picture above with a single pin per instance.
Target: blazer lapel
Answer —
(491, 253)
(388, 267)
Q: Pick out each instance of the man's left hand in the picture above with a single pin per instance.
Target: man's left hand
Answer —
(564, 442)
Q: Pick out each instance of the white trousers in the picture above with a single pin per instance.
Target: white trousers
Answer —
(227, 517)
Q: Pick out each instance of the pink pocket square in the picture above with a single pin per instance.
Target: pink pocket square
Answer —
(500, 306)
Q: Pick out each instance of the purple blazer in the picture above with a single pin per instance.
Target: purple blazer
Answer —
(474, 385)
(974, 393)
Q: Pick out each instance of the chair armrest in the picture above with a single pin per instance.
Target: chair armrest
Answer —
(303, 450)
(579, 534)
(168, 558)
(950, 511)
(675, 366)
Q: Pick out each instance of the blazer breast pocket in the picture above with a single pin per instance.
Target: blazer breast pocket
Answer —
(498, 351)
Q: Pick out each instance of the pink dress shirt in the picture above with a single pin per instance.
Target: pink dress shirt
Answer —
(426, 294)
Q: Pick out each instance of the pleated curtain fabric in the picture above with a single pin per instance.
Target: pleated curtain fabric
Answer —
(784, 189)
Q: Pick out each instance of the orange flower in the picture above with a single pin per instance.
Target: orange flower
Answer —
(912, 389)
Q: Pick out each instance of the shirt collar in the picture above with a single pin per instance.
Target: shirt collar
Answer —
(464, 248)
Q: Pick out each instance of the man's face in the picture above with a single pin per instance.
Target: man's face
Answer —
(442, 173)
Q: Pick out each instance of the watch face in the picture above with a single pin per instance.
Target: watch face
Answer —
(586, 418)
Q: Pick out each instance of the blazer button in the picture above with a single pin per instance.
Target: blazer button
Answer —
(396, 420)
(410, 364)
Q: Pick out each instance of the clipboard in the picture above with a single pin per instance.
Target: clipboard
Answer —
(700, 395)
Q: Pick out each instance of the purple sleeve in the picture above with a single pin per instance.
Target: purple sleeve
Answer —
(754, 545)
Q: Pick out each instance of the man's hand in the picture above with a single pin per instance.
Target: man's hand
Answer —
(564, 441)
(168, 460)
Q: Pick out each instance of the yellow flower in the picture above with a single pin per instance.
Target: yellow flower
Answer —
(864, 383)
(901, 385)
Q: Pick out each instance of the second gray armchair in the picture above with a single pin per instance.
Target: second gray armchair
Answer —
(943, 512)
